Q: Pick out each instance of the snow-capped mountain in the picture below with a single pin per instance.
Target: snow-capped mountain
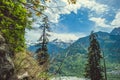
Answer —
(62, 44)
(54, 46)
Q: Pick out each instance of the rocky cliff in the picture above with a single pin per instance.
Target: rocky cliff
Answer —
(6, 64)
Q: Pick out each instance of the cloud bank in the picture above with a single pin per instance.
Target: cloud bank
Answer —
(116, 21)
(60, 7)
(105, 25)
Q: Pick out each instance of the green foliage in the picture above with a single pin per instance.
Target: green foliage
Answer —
(75, 65)
(72, 65)
(44, 75)
(13, 21)
(93, 67)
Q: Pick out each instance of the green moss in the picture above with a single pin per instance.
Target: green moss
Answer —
(13, 21)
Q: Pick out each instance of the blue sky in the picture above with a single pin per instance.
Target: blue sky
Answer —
(72, 21)
(77, 22)
(80, 21)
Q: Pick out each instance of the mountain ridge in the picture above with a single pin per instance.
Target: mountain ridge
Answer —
(109, 44)
(115, 31)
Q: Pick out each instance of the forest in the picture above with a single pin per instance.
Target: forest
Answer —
(59, 40)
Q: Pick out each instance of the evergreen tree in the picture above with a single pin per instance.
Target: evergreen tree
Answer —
(93, 67)
(42, 52)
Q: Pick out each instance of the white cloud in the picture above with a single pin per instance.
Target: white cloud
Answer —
(66, 37)
(116, 21)
(94, 6)
(33, 35)
(103, 25)
(59, 28)
(54, 13)
(100, 22)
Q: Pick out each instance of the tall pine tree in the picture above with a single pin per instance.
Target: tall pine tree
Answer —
(42, 52)
(93, 67)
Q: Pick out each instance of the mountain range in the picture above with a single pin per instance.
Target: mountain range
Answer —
(109, 43)
(54, 47)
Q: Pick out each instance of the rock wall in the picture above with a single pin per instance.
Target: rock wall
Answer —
(6, 64)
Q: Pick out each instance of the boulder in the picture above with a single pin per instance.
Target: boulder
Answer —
(23, 76)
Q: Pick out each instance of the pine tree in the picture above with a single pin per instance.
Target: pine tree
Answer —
(93, 67)
(42, 52)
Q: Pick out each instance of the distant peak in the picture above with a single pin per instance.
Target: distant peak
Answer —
(63, 41)
(101, 32)
(115, 31)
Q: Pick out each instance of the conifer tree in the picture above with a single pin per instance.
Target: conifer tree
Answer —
(93, 67)
(42, 52)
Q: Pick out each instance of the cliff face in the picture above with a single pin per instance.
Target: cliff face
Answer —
(22, 67)
(6, 64)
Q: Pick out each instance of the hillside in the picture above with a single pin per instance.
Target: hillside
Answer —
(73, 64)
(73, 58)
(109, 45)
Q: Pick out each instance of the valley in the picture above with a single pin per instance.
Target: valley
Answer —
(73, 58)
